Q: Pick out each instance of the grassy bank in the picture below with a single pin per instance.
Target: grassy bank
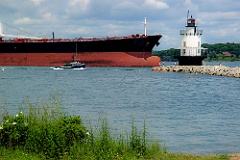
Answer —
(43, 131)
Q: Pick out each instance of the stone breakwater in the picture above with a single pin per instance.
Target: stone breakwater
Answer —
(211, 70)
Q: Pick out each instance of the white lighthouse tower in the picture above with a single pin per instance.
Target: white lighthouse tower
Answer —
(191, 52)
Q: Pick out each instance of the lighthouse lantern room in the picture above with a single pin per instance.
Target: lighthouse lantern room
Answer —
(191, 52)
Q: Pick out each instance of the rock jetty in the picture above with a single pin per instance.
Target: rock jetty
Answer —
(211, 70)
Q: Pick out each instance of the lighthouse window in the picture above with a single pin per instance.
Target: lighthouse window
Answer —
(184, 51)
(184, 44)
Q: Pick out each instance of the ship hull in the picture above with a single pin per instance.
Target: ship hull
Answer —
(125, 51)
(98, 59)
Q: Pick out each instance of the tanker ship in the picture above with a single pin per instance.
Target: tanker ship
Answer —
(125, 51)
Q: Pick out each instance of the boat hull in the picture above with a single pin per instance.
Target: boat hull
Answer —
(133, 51)
(99, 59)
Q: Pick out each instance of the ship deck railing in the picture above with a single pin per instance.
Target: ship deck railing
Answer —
(79, 39)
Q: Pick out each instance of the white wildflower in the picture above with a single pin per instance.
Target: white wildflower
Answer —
(1, 127)
(14, 123)
(16, 115)
(87, 133)
(7, 121)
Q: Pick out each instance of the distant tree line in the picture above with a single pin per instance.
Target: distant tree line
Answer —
(167, 55)
(215, 52)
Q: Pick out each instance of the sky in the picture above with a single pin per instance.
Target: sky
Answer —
(219, 19)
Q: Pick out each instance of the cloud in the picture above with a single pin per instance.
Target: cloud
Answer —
(124, 10)
(78, 7)
(224, 32)
(24, 20)
(221, 35)
(78, 31)
(155, 4)
(100, 18)
(125, 6)
(49, 16)
(188, 3)
(37, 2)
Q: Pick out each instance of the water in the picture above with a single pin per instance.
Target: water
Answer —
(190, 113)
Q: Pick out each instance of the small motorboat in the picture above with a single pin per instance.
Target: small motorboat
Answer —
(74, 65)
(71, 65)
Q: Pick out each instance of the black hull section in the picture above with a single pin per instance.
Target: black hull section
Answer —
(131, 44)
(190, 60)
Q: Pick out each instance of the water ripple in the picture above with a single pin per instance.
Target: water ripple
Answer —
(191, 113)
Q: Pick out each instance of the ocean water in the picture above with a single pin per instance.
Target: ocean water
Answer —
(190, 113)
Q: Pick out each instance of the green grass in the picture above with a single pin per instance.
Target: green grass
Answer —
(43, 131)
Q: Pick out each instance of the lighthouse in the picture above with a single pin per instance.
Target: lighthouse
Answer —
(191, 52)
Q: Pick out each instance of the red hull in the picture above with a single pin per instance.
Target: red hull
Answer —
(100, 59)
